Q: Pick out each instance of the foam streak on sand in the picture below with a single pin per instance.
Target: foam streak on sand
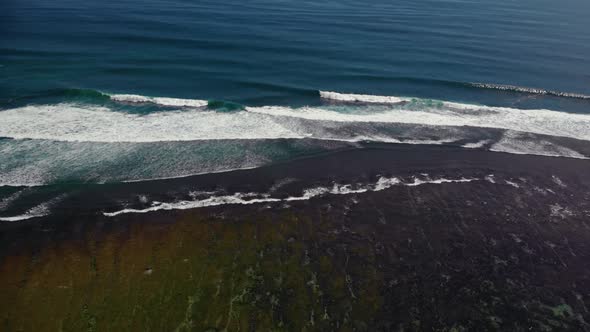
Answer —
(382, 183)
(4, 203)
(40, 210)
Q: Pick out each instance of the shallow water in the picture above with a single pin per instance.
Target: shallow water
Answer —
(117, 91)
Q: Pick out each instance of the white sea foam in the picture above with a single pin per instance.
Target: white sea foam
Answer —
(386, 139)
(558, 181)
(382, 183)
(238, 198)
(476, 145)
(385, 183)
(490, 178)
(545, 122)
(6, 202)
(558, 211)
(29, 175)
(351, 97)
(511, 183)
(70, 122)
(413, 123)
(514, 88)
(40, 210)
(164, 101)
(519, 143)
(418, 182)
(84, 123)
(39, 162)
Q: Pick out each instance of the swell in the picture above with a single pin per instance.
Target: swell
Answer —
(270, 91)
(99, 97)
(481, 86)
(59, 94)
(535, 91)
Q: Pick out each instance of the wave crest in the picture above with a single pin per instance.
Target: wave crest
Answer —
(164, 101)
(536, 91)
(351, 97)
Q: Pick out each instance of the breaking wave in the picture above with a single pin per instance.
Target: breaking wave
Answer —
(359, 98)
(535, 91)
(164, 101)
(104, 142)
(92, 123)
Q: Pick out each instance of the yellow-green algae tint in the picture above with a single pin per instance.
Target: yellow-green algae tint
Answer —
(195, 274)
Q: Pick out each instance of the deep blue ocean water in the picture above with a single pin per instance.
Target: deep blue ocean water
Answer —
(275, 52)
(77, 81)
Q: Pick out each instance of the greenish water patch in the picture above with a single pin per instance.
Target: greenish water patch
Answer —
(224, 106)
(58, 95)
(206, 275)
(562, 311)
(417, 103)
(81, 93)
(39, 161)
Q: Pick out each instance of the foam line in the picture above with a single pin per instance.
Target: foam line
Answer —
(237, 198)
(40, 210)
(382, 183)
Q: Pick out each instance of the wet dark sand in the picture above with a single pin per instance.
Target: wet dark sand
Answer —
(475, 256)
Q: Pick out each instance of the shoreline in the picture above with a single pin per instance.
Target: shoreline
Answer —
(363, 165)
(506, 252)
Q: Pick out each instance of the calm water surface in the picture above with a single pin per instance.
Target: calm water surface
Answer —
(277, 52)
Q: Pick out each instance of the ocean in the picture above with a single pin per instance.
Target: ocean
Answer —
(328, 165)
(106, 92)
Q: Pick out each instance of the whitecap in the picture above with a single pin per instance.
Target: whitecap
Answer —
(164, 101)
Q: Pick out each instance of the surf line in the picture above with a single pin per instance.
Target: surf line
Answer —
(382, 183)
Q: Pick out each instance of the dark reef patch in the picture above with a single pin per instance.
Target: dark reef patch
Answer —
(508, 254)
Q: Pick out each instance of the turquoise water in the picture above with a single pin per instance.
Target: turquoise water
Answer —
(111, 91)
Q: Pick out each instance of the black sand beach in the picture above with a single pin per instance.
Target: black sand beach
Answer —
(506, 250)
